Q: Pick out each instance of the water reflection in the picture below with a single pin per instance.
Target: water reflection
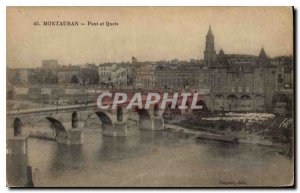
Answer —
(115, 148)
(102, 160)
(64, 155)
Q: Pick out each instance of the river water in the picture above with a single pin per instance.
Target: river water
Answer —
(156, 158)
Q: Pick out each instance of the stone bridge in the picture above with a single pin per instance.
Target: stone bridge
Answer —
(69, 120)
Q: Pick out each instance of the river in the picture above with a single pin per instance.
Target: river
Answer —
(156, 159)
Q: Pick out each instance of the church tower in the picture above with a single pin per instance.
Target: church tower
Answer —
(263, 58)
(209, 52)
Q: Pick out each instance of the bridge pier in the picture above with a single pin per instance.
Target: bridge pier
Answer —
(17, 161)
(118, 129)
(154, 123)
(75, 136)
(71, 137)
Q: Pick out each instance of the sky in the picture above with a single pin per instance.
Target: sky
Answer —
(148, 33)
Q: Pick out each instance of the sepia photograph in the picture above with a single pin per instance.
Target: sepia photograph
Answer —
(150, 97)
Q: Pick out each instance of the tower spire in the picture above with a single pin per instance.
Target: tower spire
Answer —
(209, 53)
(262, 57)
(262, 53)
(209, 30)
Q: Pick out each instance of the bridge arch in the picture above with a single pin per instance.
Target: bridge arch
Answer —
(167, 114)
(95, 117)
(143, 113)
(155, 110)
(106, 120)
(170, 112)
(17, 125)
(91, 120)
(74, 119)
(57, 126)
(119, 114)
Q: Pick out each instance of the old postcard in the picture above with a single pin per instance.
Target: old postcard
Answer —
(150, 97)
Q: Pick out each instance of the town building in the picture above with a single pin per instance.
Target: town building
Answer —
(182, 76)
(87, 75)
(145, 76)
(120, 75)
(239, 82)
(284, 72)
(66, 76)
(105, 73)
(167, 77)
(19, 75)
(283, 99)
(113, 74)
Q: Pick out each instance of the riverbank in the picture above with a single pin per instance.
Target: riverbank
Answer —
(218, 137)
(254, 128)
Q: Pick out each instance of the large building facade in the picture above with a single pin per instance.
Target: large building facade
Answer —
(239, 82)
(235, 82)
(145, 76)
(182, 76)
